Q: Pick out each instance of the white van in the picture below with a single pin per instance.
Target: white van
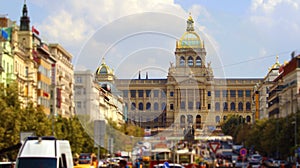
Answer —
(46, 152)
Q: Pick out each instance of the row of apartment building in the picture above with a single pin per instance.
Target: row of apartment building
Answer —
(44, 72)
(45, 75)
(277, 95)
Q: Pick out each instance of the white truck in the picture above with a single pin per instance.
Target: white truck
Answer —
(45, 152)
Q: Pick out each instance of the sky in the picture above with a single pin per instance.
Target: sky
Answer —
(242, 38)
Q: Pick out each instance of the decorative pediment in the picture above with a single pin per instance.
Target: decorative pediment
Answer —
(191, 81)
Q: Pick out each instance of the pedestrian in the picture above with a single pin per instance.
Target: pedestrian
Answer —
(137, 163)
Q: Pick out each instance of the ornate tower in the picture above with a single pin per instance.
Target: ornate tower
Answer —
(25, 20)
(188, 81)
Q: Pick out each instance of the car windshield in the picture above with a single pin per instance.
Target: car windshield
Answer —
(36, 162)
(84, 159)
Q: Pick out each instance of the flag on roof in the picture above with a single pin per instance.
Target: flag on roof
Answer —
(4, 34)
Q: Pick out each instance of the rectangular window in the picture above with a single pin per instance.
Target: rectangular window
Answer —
(224, 93)
(171, 94)
(182, 105)
(240, 93)
(208, 93)
(79, 104)
(132, 93)
(232, 93)
(171, 106)
(148, 93)
(248, 93)
(217, 93)
(155, 93)
(198, 105)
(125, 93)
(208, 106)
(141, 93)
(78, 79)
(191, 104)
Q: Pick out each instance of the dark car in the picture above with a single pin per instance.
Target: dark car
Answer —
(270, 163)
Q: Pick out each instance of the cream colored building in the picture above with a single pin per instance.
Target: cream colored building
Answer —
(189, 96)
(94, 100)
(62, 81)
(25, 68)
(261, 91)
(44, 73)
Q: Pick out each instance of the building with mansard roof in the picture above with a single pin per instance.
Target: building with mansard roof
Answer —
(190, 95)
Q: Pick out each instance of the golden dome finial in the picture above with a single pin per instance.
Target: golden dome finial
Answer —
(103, 60)
(190, 17)
(190, 23)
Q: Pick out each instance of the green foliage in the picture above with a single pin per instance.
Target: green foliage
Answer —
(270, 137)
(14, 120)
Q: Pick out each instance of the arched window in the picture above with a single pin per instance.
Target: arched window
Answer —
(248, 106)
(189, 119)
(232, 106)
(217, 119)
(156, 106)
(248, 119)
(148, 106)
(198, 61)
(240, 106)
(182, 61)
(133, 106)
(190, 61)
(225, 106)
(182, 121)
(141, 106)
(198, 122)
(217, 106)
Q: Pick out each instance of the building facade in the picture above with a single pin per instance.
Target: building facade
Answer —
(189, 96)
(283, 97)
(62, 81)
(6, 55)
(44, 72)
(94, 101)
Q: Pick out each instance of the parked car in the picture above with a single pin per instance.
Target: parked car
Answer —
(255, 158)
(241, 164)
(254, 165)
(270, 163)
(172, 165)
(283, 163)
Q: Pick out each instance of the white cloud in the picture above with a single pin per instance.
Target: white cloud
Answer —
(73, 20)
(276, 15)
